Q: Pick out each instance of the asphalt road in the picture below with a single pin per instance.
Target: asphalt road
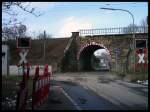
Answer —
(84, 99)
(102, 91)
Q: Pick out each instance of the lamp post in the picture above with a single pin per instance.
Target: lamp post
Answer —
(133, 33)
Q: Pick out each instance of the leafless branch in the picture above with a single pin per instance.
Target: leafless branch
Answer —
(13, 14)
(32, 11)
(7, 8)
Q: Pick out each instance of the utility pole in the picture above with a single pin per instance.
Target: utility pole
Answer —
(44, 45)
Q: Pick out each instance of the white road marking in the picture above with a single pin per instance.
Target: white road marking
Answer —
(65, 93)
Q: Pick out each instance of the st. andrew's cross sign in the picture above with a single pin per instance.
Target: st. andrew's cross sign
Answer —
(23, 44)
(23, 55)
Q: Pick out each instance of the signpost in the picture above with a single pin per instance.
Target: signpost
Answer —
(23, 44)
(141, 54)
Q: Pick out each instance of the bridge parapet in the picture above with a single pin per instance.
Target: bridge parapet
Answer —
(113, 31)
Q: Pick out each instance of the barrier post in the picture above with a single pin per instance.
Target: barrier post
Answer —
(35, 87)
(23, 91)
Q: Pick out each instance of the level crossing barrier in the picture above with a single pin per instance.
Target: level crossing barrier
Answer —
(41, 86)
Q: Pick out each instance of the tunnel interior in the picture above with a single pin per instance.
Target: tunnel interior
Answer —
(85, 57)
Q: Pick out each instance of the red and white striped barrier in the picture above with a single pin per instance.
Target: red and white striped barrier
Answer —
(41, 86)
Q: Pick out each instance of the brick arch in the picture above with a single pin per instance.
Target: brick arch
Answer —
(91, 44)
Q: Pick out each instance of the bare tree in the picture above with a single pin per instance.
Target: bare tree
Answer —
(141, 28)
(129, 29)
(41, 36)
(7, 8)
(11, 33)
(144, 24)
(11, 26)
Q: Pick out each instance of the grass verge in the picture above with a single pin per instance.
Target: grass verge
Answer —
(131, 77)
(10, 87)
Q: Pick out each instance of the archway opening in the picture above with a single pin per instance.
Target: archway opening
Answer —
(89, 61)
(100, 60)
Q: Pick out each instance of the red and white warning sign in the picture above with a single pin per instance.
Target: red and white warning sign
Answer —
(141, 58)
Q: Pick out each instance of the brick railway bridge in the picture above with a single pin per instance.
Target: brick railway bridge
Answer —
(78, 54)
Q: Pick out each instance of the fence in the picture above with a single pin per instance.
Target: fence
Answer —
(111, 31)
(41, 87)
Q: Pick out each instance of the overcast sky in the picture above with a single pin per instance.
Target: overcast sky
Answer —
(62, 18)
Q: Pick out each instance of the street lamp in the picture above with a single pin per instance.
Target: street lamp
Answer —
(132, 28)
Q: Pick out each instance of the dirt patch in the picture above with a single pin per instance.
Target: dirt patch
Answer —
(10, 87)
(82, 100)
(80, 79)
(135, 77)
(68, 83)
(104, 81)
(56, 101)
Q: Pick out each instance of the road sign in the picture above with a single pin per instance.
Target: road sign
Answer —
(23, 55)
(117, 50)
(141, 58)
(23, 42)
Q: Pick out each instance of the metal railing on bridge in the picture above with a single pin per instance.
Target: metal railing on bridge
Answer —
(113, 31)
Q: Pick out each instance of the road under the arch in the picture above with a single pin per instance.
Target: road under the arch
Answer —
(85, 58)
